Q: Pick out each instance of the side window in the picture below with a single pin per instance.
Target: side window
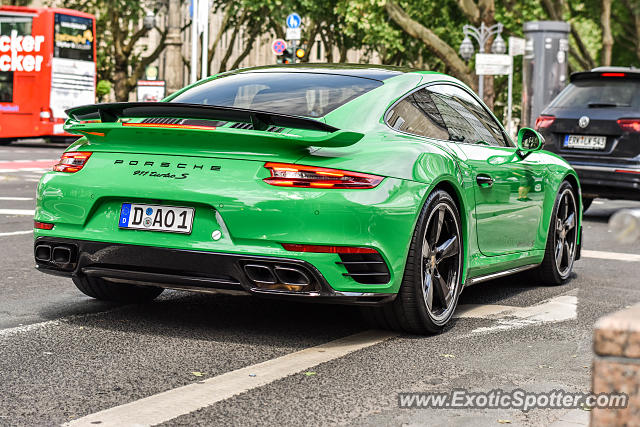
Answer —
(6, 86)
(465, 118)
(418, 114)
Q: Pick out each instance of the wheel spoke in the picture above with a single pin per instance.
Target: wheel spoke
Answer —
(426, 250)
(438, 226)
(565, 203)
(427, 291)
(570, 222)
(448, 249)
(559, 250)
(567, 252)
(444, 292)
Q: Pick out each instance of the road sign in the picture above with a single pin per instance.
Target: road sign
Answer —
(516, 46)
(294, 20)
(293, 33)
(490, 64)
(278, 46)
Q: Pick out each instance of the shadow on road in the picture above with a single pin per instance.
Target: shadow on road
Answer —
(248, 319)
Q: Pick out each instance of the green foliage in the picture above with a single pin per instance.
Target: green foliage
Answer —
(103, 88)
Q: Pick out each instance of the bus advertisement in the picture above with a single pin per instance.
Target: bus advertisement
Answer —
(47, 65)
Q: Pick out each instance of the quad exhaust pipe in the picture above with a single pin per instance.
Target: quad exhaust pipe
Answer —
(278, 277)
(60, 256)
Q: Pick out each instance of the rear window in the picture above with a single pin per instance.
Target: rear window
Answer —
(300, 94)
(599, 93)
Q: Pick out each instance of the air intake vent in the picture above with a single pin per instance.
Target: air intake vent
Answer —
(185, 122)
(162, 120)
(246, 126)
(249, 126)
(365, 268)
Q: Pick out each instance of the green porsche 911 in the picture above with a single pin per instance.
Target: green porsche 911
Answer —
(385, 187)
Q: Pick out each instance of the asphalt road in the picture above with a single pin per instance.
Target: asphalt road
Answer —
(64, 356)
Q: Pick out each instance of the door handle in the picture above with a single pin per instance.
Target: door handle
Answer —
(484, 181)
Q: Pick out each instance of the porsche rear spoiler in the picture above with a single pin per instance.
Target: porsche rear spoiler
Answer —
(98, 119)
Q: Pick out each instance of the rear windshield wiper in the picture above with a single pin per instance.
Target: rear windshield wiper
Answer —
(604, 105)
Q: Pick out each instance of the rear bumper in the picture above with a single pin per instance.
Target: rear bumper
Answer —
(198, 271)
(608, 182)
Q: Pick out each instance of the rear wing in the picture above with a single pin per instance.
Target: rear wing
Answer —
(99, 119)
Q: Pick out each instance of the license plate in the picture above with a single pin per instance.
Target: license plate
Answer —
(588, 142)
(171, 219)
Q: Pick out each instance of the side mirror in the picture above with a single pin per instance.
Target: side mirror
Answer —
(528, 141)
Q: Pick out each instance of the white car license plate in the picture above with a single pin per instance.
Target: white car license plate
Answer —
(588, 142)
(170, 219)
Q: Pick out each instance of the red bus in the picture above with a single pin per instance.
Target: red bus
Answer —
(47, 64)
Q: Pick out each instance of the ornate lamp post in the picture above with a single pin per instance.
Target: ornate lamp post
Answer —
(481, 35)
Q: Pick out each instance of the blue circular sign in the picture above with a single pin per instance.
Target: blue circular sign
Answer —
(294, 20)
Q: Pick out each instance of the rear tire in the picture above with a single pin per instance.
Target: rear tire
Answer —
(561, 248)
(431, 284)
(117, 292)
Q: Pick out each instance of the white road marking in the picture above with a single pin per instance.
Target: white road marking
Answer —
(27, 328)
(558, 309)
(618, 256)
(171, 404)
(16, 198)
(15, 233)
(26, 212)
(480, 311)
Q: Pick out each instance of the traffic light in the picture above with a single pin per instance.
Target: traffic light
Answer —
(286, 57)
(300, 53)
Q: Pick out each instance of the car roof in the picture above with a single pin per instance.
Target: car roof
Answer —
(368, 71)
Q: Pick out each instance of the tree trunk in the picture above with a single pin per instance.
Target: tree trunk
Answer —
(120, 85)
(435, 44)
(607, 37)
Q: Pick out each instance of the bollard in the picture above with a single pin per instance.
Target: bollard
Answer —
(625, 225)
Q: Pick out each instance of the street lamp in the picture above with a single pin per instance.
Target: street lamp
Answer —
(466, 49)
(149, 21)
(481, 35)
(498, 45)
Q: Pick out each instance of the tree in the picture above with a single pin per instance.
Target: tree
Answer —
(122, 59)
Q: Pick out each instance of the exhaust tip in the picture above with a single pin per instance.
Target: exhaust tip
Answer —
(61, 255)
(43, 253)
(260, 274)
(291, 276)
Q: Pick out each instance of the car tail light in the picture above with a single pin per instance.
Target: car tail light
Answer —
(323, 249)
(544, 122)
(46, 115)
(612, 74)
(72, 161)
(42, 225)
(630, 125)
(290, 175)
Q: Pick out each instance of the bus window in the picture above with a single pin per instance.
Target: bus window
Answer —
(19, 23)
(6, 86)
(73, 37)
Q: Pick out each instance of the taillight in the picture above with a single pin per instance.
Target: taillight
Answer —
(544, 122)
(43, 225)
(630, 125)
(289, 175)
(612, 74)
(46, 115)
(72, 161)
(323, 249)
